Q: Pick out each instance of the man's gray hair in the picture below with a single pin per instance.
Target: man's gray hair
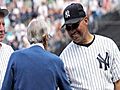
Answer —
(37, 28)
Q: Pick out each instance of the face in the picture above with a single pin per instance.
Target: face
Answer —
(78, 31)
(2, 28)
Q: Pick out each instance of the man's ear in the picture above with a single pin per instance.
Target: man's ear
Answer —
(86, 20)
(45, 41)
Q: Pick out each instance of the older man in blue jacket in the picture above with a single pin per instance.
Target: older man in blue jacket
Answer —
(35, 68)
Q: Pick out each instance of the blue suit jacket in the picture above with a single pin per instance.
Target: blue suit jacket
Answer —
(35, 69)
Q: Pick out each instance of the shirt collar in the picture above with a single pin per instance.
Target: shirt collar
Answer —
(0, 44)
(39, 44)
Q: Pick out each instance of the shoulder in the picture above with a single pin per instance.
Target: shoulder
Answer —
(104, 39)
(106, 42)
(6, 45)
(7, 48)
(53, 57)
(19, 53)
(68, 48)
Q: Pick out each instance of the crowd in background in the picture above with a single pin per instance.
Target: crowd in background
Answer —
(22, 11)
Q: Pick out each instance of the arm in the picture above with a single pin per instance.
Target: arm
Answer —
(117, 85)
(8, 79)
(116, 67)
(63, 82)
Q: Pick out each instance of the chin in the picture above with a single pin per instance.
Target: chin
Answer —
(77, 41)
(1, 39)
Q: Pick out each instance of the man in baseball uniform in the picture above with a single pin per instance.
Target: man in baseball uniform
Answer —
(92, 62)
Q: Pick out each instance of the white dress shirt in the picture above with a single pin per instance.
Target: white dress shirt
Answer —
(5, 52)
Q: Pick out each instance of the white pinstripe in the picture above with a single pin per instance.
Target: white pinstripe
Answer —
(5, 52)
(82, 65)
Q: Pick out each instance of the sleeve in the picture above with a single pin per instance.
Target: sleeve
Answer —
(63, 82)
(9, 75)
(116, 63)
(67, 70)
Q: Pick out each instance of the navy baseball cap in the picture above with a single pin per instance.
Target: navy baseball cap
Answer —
(73, 13)
(4, 12)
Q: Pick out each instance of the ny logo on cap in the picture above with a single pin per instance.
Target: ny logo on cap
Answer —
(67, 14)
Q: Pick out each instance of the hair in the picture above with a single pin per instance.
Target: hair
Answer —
(37, 32)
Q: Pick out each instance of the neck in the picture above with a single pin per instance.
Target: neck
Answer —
(88, 38)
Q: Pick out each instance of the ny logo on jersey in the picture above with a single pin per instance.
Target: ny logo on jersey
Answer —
(103, 61)
(67, 14)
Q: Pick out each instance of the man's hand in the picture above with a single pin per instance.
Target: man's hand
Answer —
(117, 85)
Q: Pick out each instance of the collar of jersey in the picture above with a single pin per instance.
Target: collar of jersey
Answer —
(88, 44)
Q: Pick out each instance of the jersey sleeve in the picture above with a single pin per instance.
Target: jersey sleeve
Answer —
(116, 63)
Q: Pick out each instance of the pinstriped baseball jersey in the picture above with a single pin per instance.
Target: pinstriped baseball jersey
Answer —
(95, 67)
(5, 52)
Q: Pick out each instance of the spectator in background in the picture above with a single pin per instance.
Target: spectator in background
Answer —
(5, 50)
(34, 68)
(92, 62)
(25, 10)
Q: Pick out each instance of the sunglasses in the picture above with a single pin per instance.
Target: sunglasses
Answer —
(70, 27)
(73, 26)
